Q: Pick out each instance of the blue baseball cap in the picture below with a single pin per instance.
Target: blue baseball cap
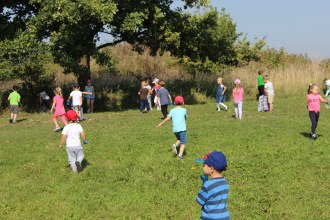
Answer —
(217, 160)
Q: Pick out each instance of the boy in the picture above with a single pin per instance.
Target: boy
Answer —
(71, 133)
(214, 193)
(143, 92)
(76, 96)
(269, 90)
(164, 96)
(178, 116)
(14, 98)
(261, 83)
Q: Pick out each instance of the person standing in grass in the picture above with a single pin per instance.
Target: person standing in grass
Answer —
(313, 100)
(76, 96)
(327, 84)
(164, 98)
(143, 92)
(261, 83)
(178, 116)
(238, 95)
(90, 97)
(269, 91)
(214, 193)
(71, 133)
(58, 106)
(149, 95)
(14, 99)
(155, 89)
(221, 94)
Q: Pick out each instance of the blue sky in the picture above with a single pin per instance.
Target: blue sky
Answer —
(300, 26)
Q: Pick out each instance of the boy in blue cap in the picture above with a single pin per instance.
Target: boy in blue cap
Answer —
(214, 193)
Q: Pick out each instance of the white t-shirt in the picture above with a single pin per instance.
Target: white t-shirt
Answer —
(76, 97)
(44, 95)
(327, 83)
(72, 132)
(269, 88)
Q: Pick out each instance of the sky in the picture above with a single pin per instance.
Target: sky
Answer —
(299, 26)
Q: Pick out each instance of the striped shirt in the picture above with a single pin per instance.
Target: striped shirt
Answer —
(213, 199)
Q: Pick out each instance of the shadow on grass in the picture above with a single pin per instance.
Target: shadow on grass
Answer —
(85, 163)
(308, 135)
(21, 119)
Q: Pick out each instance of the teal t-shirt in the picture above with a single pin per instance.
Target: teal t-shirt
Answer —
(178, 116)
(14, 98)
(261, 80)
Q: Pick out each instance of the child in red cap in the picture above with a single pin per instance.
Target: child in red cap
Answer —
(178, 116)
(71, 133)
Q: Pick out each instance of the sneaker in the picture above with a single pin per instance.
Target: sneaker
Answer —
(14, 122)
(227, 109)
(218, 110)
(57, 129)
(180, 158)
(10, 120)
(314, 136)
(174, 150)
(79, 167)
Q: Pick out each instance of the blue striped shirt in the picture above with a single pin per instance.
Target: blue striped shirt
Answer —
(213, 199)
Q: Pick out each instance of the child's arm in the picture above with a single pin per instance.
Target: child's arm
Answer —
(323, 100)
(224, 89)
(89, 93)
(9, 98)
(70, 97)
(83, 135)
(165, 120)
(169, 97)
(81, 102)
(53, 105)
(62, 140)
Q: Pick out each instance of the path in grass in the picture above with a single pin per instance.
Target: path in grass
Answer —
(274, 170)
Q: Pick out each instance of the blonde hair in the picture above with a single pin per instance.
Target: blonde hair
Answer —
(58, 91)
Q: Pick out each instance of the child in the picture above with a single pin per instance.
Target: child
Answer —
(90, 97)
(14, 99)
(149, 95)
(156, 88)
(76, 96)
(178, 116)
(143, 92)
(214, 193)
(314, 99)
(238, 93)
(164, 96)
(71, 133)
(59, 108)
(221, 94)
(269, 91)
(261, 83)
(327, 84)
(44, 101)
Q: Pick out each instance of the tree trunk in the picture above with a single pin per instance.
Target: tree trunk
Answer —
(85, 75)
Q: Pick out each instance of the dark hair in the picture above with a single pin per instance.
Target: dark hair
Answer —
(15, 88)
(260, 72)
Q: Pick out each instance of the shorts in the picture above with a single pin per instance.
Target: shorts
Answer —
(181, 136)
(14, 109)
(270, 98)
(76, 107)
(220, 98)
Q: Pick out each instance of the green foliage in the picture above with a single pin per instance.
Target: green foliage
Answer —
(275, 171)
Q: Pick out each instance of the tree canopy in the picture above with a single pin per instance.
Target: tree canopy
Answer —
(70, 30)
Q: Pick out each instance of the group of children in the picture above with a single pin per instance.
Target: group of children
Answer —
(265, 92)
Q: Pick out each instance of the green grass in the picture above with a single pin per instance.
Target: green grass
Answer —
(274, 171)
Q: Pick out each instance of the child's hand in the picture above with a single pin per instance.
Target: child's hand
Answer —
(204, 178)
(159, 125)
(68, 102)
(60, 146)
(85, 141)
(171, 103)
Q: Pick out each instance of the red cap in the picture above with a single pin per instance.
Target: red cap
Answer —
(178, 100)
(71, 115)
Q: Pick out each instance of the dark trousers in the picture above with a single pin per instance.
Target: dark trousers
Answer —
(314, 116)
(144, 104)
(44, 105)
(261, 90)
(164, 110)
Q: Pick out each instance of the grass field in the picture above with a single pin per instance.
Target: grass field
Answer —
(275, 171)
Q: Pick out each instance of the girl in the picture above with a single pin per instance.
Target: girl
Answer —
(313, 100)
(238, 93)
(59, 108)
(221, 94)
(90, 97)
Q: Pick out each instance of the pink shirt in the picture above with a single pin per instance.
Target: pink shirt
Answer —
(314, 102)
(238, 94)
(59, 107)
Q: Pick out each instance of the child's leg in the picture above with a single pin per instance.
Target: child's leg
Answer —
(72, 157)
(312, 116)
(146, 104)
(236, 110)
(14, 117)
(240, 110)
(63, 118)
(88, 101)
(80, 155)
(183, 141)
(92, 105)
(223, 105)
(11, 115)
(317, 116)
(149, 102)
(218, 107)
(55, 121)
(164, 110)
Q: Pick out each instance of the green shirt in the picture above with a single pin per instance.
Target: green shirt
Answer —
(14, 98)
(261, 80)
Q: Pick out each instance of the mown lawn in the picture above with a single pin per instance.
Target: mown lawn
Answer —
(274, 170)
